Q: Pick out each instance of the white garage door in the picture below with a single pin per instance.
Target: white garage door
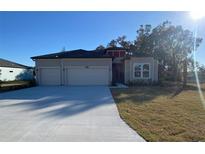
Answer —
(87, 75)
(50, 76)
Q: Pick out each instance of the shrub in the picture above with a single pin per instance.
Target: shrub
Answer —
(32, 82)
(143, 82)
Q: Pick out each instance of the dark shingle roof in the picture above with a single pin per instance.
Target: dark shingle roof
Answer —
(80, 53)
(7, 63)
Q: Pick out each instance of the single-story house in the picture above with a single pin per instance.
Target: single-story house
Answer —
(96, 67)
(10, 71)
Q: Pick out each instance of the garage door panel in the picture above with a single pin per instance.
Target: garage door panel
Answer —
(88, 76)
(50, 76)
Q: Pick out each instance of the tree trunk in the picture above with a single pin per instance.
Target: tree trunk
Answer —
(161, 72)
(175, 68)
(185, 72)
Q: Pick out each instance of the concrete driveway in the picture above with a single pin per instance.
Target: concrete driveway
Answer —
(62, 114)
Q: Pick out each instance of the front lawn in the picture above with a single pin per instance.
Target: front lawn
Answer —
(157, 115)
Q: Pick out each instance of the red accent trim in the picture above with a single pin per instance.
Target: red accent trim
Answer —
(116, 53)
(122, 54)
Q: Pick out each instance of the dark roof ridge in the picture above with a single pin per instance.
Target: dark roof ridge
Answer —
(78, 53)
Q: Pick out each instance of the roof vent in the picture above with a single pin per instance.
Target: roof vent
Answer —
(63, 49)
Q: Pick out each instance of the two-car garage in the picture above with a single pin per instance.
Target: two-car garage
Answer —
(74, 72)
(87, 75)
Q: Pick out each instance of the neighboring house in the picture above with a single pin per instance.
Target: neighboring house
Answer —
(10, 71)
(104, 67)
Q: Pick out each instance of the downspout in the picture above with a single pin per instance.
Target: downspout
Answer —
(153, 69)
(131, 68)
(62, 72)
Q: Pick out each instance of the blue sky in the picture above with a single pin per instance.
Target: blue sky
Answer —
(27, 34)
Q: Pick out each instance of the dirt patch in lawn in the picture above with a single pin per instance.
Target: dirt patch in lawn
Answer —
(158, 116)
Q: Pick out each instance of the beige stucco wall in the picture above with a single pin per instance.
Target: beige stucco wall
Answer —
(63, 63)
(129, 71)
(47, 62)
(156, 65)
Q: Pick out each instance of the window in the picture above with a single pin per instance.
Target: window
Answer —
(11, 71)
(138, 70)
(141, 70)
(146, 71)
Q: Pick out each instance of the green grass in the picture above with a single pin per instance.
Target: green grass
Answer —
(161, 114)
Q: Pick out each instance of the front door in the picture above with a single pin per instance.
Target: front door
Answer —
(118, 72)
